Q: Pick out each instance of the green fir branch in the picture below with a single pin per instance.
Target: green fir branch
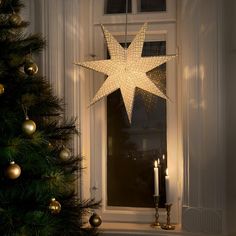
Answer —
(24, 201)
(7, 6)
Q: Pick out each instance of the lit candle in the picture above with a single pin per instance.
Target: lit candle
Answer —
(167, 180)
(156, 178)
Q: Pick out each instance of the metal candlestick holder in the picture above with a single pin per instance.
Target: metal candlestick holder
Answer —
(168, 226)
(156, 224)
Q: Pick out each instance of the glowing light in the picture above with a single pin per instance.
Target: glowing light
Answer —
(166, 171)
(155, 164)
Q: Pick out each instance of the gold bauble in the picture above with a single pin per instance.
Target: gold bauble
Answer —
(50, 146)
(15, 19)
(1, 89)
(65, 154)
(30, 68)
(28, 126)
(13, 171)
(95, 220)
(54, 206)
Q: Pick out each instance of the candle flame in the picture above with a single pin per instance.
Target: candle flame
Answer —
(166, 171)
(155, 164)
(158, 161)
(163, 157)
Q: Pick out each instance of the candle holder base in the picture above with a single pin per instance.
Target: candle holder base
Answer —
(156, 225)
(168, 227)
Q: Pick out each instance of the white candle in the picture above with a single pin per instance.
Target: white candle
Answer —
(156, 179)
(167, 180)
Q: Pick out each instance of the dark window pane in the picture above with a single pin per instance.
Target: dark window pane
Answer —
(117, 6)
(133, 148)
(151, 5)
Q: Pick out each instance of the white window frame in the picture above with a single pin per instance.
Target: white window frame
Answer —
(161, 26)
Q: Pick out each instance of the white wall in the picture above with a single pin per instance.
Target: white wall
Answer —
(230, 78)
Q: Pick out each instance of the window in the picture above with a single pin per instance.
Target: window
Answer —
(117, 6)
(112, 11)
(135, 147)
(113, 145)
(150, 5)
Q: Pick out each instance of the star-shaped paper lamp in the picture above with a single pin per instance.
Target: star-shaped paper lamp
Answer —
(126, 70)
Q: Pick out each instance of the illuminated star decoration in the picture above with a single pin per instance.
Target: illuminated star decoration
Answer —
(126, 70)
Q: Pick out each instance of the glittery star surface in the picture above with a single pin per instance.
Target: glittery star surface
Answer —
(126, 69)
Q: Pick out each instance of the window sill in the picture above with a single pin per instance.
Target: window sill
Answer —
(121, 229)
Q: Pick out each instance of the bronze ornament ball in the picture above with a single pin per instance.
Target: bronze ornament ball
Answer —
(13, 171)
(65, 154)
(50, 146)
(28, 127)
(1, 89)
(30, 68)
(15, 19)
(95, 220)
(54, 206)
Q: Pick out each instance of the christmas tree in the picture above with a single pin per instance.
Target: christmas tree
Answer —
(38, 171)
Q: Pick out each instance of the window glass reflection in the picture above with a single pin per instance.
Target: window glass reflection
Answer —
(132, 149)
(151, 5)
(117, 6)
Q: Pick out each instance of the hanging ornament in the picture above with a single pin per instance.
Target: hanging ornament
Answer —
(65, 154)
(1, 89)
(126, 70)
(15, 19)
(30, 68)
(28, 126)
(54, 206)
(13, 171)
(95, 220)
